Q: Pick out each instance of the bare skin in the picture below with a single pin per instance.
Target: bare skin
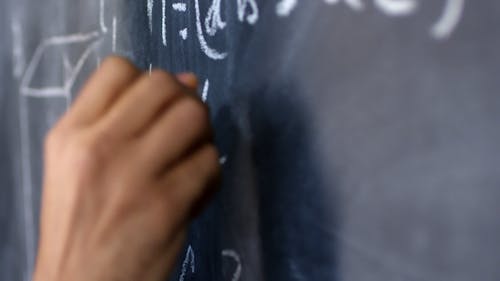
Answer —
(125, 168)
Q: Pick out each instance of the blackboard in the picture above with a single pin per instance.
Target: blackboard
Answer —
(359, 139)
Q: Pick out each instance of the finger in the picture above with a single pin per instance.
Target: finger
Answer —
(189, 80)
(180, 128)
(161, 268)
(138, 107)
(102, 89)
(189, 183)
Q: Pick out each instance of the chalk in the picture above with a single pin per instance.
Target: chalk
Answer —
(104, 28)
(179, 7)
(449, 20)
(114, 35)
(285, 7)
(188, 260)
(164, 23)
(204, 93)
(213, 21)
(253, 17)
(397, 7)
(211, 53)
(183, 33)
(233, 255)
(149, 7)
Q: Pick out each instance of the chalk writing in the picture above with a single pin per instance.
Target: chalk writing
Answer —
(188, 263)
(164, 22)
(102, 24)
(204, 93)
(114, 35)
(396, 7)
(149, 9)
(183, 33)
(223, 160)
(248, 12)
(449, 20)
(285, 7)
(213, 21)
(228, 253)
(71, 72)
(180, 7)
(17, 49)
(210, 52)
(249, 8)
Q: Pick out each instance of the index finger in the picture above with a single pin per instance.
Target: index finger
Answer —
(102, 89)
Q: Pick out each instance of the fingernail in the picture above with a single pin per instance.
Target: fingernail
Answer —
(188, 79)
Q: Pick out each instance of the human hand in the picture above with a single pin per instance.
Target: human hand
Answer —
(124, 169)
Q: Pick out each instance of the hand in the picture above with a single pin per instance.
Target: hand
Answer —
(124, 169)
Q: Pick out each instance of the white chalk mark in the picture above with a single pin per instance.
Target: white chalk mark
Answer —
(150, 69)
(223, 160)
(188, 260)
(233, 255)
(27, 187)
(183, 33)
(253, 16)
(19, 60)
(356, 5)
(63, 90)
(104, 28)
(67, 67)
(204, 93)
(114, 35)
(213, 21)
(211, 53)
(397, 7)
(149, 7)
(164, 23)
(449, 20)
(179, 7)
(285, 7)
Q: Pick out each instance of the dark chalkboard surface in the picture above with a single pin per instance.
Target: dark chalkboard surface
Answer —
(360, 139)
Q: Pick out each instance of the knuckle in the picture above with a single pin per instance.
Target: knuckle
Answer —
(197, 111)
(117, 63)
(159, 79)
(89, 152)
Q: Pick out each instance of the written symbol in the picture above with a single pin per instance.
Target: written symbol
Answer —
(442, 29)
(182, 8)
(232, 254)
(188, 263)
(248, 8)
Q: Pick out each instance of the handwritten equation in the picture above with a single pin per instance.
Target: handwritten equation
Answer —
(209, 24)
